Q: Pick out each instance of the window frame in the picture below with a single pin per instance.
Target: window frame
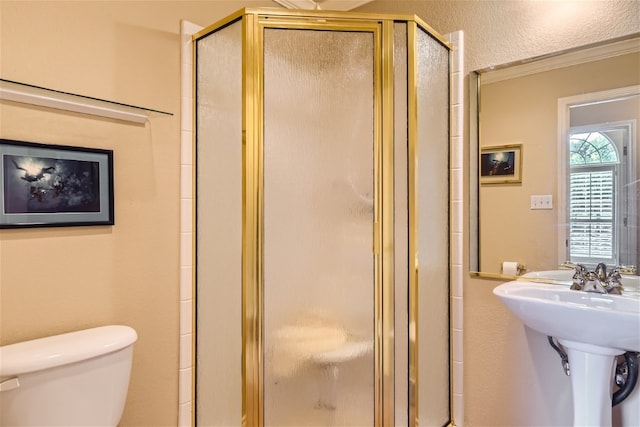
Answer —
(625, 172)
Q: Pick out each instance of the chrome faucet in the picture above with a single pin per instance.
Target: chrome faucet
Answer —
(597, 281)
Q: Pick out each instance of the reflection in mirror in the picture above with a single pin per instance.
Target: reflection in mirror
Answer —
(598, 197)
(575, 199)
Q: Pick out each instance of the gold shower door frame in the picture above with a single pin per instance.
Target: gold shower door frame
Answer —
(254, 22)
(253, 375)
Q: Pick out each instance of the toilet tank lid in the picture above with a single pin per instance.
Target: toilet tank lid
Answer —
(58, 350)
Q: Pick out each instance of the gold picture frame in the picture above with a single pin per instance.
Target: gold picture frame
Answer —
(501, 164)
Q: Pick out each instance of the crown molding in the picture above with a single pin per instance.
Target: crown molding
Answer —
(559, 60)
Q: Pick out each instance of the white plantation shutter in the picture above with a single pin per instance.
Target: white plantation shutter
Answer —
(599, 189)
(591, 214)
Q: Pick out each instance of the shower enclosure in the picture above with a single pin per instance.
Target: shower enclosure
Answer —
(322, 220)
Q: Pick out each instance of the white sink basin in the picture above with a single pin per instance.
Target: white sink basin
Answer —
(610, 321)
(593, 329)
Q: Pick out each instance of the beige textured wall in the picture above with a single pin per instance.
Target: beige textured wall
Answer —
(499, 31)
(55, 280)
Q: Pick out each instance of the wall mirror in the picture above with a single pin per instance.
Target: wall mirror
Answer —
(554, 160)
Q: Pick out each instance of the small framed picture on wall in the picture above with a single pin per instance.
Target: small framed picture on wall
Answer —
(501, 164)
(47, 185)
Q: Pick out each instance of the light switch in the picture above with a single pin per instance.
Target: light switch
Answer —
(542, 201)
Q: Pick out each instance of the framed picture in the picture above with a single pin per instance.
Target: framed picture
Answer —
(54, 185)
(501, 164)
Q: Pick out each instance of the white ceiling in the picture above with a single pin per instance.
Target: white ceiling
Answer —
(322, 4)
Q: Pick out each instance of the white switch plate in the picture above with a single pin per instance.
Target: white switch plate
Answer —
(542, 202)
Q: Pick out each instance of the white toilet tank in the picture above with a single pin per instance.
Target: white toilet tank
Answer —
(75, 379)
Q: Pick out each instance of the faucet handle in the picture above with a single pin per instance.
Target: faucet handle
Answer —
(613, 285)
(580, 270)
(579, 278)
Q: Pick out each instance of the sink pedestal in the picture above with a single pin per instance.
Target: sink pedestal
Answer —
(592, 369)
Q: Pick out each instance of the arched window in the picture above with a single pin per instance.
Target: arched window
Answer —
(593, 167)
(591, 148)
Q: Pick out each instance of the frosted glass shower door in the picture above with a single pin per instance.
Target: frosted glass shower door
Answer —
(219, 228)
(318, 264)
(432, 202)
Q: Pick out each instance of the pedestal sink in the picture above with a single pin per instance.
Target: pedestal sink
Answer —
(593, 328)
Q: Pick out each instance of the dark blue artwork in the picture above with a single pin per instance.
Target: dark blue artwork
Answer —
(47, 185)
(498, 163)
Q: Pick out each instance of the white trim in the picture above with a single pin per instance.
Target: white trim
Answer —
(341, 5)
(297, 4)
(560, 60)
(564, 127)
(186, 403)
(68, 102)
(456, 236)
